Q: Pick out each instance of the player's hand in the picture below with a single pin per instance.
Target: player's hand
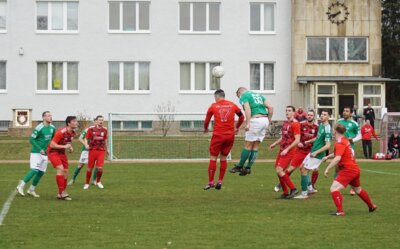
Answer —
(87, 147)
(68, 146)
(324, 158)
(272, 146)
(247, 128)
(326, 173)
(300, 145)
(205, 131)
(284, 152)
(71, 149)
(41, 152)
(236, 131)
(312, 155)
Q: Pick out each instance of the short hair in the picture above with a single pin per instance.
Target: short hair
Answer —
(220, 93)
(325, 110)
(291, 107)
(347, 107)
(311, 110)
(97, 117)
(69, 119)
(339, 128)
(44, 113)
(240, 89)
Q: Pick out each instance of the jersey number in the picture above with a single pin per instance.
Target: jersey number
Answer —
(224, 114)
(257, 99)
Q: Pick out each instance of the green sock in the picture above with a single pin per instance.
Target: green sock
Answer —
(304, 182)
(252, 158)
(309, 180)
(29, 175)
(243, 157)
(37, 178)
(95, 174)
(76, 172)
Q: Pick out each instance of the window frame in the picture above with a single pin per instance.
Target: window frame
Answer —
(140, 126)
(193, 77)
(191, 31)
(346, 60)
(262, 16)
(49, 18)
(121, 20)
(3, 31)
(5, 65)
(50, 76)
(121, 78)
(262, 90)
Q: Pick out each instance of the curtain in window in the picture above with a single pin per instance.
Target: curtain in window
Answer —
(3, 18)
(113, 76)
(199, 16)
(199, 76)
(42, 75)
(114, 15)
(2, 75)
(144, 76)
(268, 76)
(184, 16)
(357, 49)
(129, 76)
(129, 16)
(336, 49)
(72, 16)
(57, 16)
(372, 90)
(269, 17)
(144, 16)
(72, 76)
(214, 81)
(316, 49)
(57, 76)
(255, 17)
(185, 76)
(42, 16)
(214, 16)
(255, 76)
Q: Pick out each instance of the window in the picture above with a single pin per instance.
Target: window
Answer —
(262, 76)
(337, 49)
(57, 77)
(197, 76)
(57, 16)
(199, 17)
(372, 94)
(129, 16)
(128, 77)
(132, 125)
(191, 125)
(3, 78)
(3, 16)
(262, 18)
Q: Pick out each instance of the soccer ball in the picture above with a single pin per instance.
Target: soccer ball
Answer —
(218, 72)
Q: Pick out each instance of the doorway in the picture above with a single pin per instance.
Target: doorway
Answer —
(346, 100)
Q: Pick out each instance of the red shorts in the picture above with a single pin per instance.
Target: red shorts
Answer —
(284, 161)
(298, 157)
(221, 144)
(346, 177)
(58, 159)
(96, 157)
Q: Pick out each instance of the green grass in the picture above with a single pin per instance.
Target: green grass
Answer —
(148, 205)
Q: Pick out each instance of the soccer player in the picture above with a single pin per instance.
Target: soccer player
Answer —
(352, 130)
(223, 135)
(288, 141)
(308, 132)
(95, 142)
(349, 172)
(258, 112)
(40, 138)
(62, 141)
(321, 144)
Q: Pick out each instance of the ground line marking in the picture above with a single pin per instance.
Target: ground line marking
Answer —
(381, 172)
(7, 206)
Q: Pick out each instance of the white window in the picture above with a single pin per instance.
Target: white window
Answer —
(129, 77)
(262, 18)
(3, 78)
(57, 77)
(197, 77)
(337, 49)
(132, 125)
(129, 17)
(199, 17)
(262, 77)
(57, 17)
(374, 94)
(3, 16)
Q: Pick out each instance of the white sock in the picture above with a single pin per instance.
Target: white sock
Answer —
(21, 183)
(32, 188)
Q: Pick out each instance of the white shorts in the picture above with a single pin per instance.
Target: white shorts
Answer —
(39, 161)
(311, 163)
(258, 127)
(84, 156)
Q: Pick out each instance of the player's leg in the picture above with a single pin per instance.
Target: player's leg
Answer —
(42, 167)
(304, 184)
(363, 194)
(82, 161)
(279, 172)
(94, 175)
(369, 146)
(215, 148)
(34, 160)
(337, 197)
(243, 157)
(91, 162)
(364, 146)
(225, 149)
(99, 166)
(252, 158)
(64, 161)
(314, 178)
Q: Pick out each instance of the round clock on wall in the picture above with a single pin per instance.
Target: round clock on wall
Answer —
(338, 13)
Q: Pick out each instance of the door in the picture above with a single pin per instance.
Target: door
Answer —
(346, 100)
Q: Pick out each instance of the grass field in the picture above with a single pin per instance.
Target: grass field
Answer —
(149, 205)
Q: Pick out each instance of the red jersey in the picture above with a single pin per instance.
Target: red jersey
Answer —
(290, 128)
(61, 137)
(224, 117)
(343, 149)
(367, 131)
(300, 116)
(308, 131)
(97, 137)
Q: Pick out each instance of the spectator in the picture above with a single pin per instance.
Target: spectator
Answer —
(394, 144)
(369, 114)
(300, 114)
(354, 113)
(366, 131)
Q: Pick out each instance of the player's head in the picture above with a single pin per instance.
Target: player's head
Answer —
(311, 116)
(367, 122)
(240, 91)
(71, 122)
(219, 95)
(347, 112)
(324, 115)
(290, 111)
(47, 117)
(300, 109)
(339, 130)
(98, 120)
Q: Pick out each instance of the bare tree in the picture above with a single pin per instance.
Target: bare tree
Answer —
(166, 116)
(84, 120)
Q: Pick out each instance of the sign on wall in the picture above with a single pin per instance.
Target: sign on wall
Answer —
(22, 118)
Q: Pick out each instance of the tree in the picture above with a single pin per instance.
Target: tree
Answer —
(166, 116)
(391, 51)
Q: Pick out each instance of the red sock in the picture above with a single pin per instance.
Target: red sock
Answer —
(314, 177)
(212, 166)
(365, 197)
(338, 200)
(287, 172)
(222, 170)
(283, 185)
(60, 183)
(88, 176)
(288, 181)
(99, 174)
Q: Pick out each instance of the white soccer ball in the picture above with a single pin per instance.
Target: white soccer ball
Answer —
(218, 72)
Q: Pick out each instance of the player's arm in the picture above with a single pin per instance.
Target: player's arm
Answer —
(374, 134)
(270, 110)
(358, 136)
(208, 119)
(54, 142)
(332, 164)
(330, 156)
(275, 143)
(85, 139)
(247, 113)
(82, 139)
(240, 121)
(33, 141)
(310, 141)
(326, 147)
(292, 145)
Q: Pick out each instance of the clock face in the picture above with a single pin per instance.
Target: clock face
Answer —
(338, 13)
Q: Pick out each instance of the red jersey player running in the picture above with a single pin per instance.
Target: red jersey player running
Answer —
(288, 141)
(223, 134)
(56, 152)
(349, 172)
(97, 136)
